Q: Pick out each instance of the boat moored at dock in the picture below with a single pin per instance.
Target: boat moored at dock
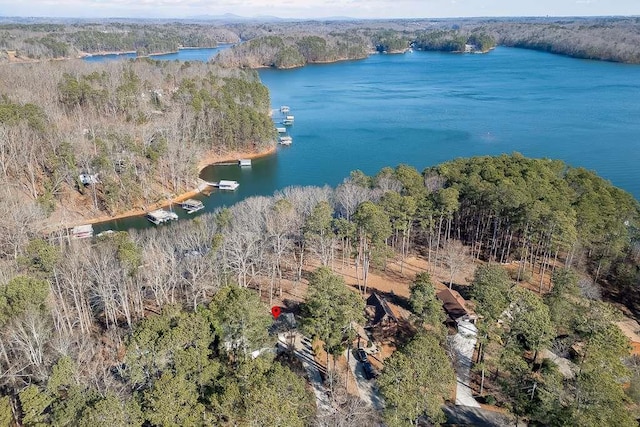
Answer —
(285, 140)
(160, 216)
(244, 162)
(82, 231)
(227, 185)
(192, 205)
(284, 109)
(288, 120)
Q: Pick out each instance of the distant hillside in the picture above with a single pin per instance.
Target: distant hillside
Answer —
(604, 38)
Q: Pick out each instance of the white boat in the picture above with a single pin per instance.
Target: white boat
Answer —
(192, 205)
(160, 216)
(281, 130)
(284, 109)
(244, 162)
(288, 120)
(286, 140)
(228, 185)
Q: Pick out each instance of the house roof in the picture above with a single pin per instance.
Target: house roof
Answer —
(454, 304)
(381, 309)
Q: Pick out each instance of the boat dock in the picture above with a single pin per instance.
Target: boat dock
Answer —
(285, 140)
(223, 184)
(160, 216)
(288, 120)
(192, 205)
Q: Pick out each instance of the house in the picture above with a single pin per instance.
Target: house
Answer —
(455, 306)
(379, 313)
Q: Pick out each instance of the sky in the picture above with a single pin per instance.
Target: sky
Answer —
(304, 9)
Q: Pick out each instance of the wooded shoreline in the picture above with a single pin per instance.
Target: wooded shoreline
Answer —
(207, 161)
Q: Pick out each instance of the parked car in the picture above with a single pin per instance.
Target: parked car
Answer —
(369, 370)
(361, 355)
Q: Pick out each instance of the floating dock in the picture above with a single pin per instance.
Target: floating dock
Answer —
(223, 184)
(82, 231)
(288, 120)
(160, 216)
(192, 205)
(285, 140)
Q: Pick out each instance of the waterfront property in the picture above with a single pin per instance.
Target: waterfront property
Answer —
(192, 205)
(160, 216)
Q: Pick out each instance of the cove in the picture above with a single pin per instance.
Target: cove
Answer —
(183, 54)
(425, 108)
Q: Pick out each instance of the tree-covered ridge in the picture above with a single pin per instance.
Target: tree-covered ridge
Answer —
(141, 126)
(62, 41)
(614, 39)
(293, 50)
(537, 210)
(454, 41)
(611, 39)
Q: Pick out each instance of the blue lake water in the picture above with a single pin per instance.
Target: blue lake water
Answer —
(189, 54)
(425, 108)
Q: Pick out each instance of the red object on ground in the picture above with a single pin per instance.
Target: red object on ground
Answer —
(275, 310)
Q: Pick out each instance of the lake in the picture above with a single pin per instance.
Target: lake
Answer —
(424, 108)
(188, 54)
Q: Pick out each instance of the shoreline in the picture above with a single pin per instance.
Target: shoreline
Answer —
(210, 159)
(148, 55)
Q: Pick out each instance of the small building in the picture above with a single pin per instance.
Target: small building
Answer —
(455, 306)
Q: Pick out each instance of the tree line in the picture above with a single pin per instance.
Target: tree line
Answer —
(37, 41)
(174, 313)
(602, 38)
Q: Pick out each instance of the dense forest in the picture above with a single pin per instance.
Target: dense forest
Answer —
(41, 41)
(114, 328)
(288, 44)
(140, 126)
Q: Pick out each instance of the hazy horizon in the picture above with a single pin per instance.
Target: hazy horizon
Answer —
(312, 9)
